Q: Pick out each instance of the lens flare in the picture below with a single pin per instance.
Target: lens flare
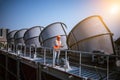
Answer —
(115, 9)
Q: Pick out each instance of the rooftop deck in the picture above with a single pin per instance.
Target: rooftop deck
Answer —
(83, 65)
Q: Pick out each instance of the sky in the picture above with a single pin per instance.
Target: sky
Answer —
(19, 14)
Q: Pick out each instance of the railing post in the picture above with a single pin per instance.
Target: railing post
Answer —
(107, 67)
(21, 48)
(16, 48)
(30, 52)
(18, 51)
(24, 53)
(9, 48)
(53, 64)
(35, 54)
(65, 60)
(80, 65)
(44, 56)
(53, 60)
(13, 47)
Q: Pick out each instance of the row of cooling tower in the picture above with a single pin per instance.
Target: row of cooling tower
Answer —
(88, 35)
(39, 35)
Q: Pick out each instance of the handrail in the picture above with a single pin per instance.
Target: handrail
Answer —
(91, 53)
(82, 52)
(66, 55)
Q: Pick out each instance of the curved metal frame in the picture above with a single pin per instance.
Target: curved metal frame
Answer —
(52, 24)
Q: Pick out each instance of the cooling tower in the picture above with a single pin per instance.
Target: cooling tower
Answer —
(19, 36)
(91, 34)
(31, 36)
(49, 33)
(10, 37)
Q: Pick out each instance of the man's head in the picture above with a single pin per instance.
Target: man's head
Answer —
(58, 37)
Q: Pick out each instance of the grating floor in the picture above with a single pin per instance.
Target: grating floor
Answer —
(86, 72)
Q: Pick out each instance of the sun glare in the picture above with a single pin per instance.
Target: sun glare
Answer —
(114, 9)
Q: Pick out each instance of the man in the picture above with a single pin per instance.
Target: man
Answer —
(56, 53)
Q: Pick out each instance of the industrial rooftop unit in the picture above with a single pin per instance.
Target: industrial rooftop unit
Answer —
(89, 51)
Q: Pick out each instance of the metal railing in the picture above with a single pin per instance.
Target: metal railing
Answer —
(66, 53)
(47, 55)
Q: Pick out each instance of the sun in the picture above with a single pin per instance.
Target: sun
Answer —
(114, 9)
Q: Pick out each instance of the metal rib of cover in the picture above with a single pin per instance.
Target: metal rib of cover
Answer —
(19, 36)
(49, 33)
(91, 34)
(31, 36)
(10, 37)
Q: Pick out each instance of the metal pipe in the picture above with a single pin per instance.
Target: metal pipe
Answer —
(7, 47)
(35, 47)
(32, 45)
(35, 55)
(30, 52)
(24, 52)
(18, 51)
(13, 47)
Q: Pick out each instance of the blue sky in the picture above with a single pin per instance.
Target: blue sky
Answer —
(18, 14)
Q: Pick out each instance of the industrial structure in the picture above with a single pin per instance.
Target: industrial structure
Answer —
(89, 50)
(31, 36)
(49, 33)
(3, 35)
(91, 34)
